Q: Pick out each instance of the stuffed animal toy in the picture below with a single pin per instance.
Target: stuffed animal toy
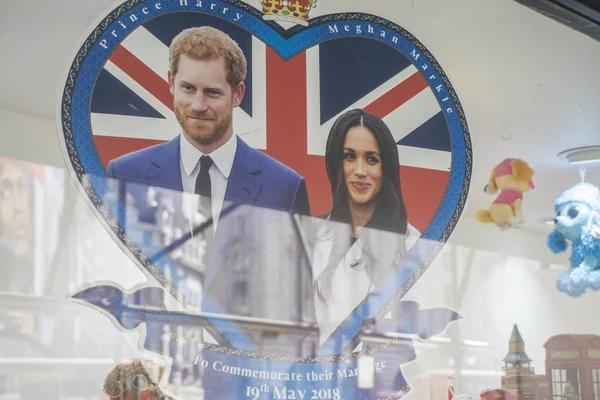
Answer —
(578, 221)
(513, 178)
(137, 380)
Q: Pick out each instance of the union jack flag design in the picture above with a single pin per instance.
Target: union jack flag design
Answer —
(289, 105)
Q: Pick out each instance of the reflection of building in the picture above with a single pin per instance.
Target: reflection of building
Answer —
(519, 381)
(50, 347)
(573, 363)
(268, 284)
(520, 375)
(516, 361)
(263, 261)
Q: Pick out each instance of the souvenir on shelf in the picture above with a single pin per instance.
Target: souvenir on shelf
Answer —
(512, 177)
(578, 221)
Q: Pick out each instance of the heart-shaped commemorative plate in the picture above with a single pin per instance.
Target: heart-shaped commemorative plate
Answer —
(302, 75)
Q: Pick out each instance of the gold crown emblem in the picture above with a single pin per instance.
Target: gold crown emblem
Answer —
(294, 11)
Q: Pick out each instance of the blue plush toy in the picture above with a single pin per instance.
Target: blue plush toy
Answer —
(578, 221)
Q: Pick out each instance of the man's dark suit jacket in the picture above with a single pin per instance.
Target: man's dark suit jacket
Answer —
(255, 178)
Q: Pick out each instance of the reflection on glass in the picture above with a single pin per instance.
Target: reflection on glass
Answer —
(51, 347)
(16, 226)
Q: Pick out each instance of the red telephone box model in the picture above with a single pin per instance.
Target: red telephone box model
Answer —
(573, 363)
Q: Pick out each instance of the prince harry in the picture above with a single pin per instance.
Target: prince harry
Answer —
(206, 76)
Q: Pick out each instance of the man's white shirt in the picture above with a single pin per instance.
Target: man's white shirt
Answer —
(219, 172)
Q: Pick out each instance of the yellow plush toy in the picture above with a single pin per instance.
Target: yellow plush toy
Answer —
(512, 177)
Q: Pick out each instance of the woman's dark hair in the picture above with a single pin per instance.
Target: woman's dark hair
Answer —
(389, 222)
(390, 213)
